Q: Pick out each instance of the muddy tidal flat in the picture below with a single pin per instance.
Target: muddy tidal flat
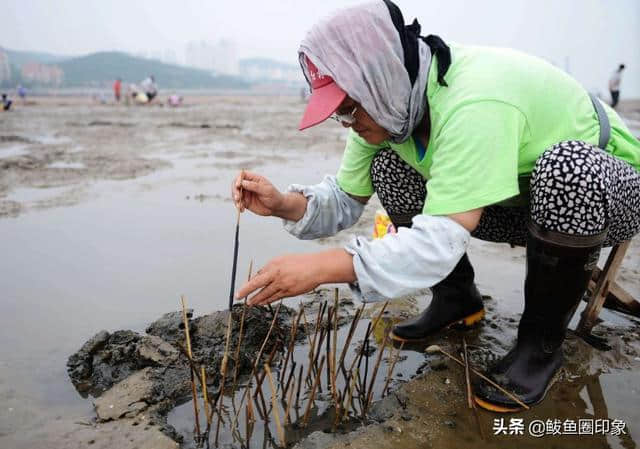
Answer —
(109, 213)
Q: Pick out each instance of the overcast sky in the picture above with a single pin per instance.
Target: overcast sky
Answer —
(587, 37)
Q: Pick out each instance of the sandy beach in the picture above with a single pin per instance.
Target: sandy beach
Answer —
(109, 213)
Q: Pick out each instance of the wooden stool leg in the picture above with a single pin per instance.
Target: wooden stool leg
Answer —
(607, 278)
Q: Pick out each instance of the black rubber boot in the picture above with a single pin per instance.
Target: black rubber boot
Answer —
(456, 300)
(559, 267)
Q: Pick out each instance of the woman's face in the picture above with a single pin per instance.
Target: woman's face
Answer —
(364, 125)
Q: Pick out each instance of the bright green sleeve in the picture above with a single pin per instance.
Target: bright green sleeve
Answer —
(475, 158)
(354, 175)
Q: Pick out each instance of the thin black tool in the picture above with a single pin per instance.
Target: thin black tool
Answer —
(235, 262)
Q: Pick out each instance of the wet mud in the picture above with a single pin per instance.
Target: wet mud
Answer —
(130, 373)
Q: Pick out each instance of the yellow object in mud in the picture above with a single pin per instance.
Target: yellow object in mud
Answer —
(382, 225)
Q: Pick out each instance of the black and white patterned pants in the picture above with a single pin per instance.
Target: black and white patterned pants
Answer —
(575, 188)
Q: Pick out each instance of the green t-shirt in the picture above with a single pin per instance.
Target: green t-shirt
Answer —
(502, 109)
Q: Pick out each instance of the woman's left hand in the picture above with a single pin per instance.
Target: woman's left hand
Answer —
(284, 276)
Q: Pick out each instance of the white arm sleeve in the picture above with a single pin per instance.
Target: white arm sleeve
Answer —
(329, 210)
(412, 259)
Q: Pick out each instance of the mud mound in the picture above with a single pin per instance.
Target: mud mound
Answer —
(130, 373)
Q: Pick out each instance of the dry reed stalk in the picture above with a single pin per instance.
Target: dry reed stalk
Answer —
(306, 324)
(260, 395)
(470, 396)
(291, 372)
(298, 389)
(436, 348)
(274, 405)
(391, 367)
(256, 362)
(263, 374)
(354, 325)
(375, 370)
(334, 387)
(379, 316)
(334, 348)
(240, 336)
(205, 394)
(223, 372)
(294, 330)
(312, 348)
(356, 360)
(349, 395)
(190, 354)
(467, 378)
(336, 316)
(363, 386)
(312, 395)
(258, 407)
(317, 356)
(249, 418)
(358, 357)
(289, 401)
(328, 345)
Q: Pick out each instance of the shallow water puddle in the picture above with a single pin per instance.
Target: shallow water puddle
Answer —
(13, 151)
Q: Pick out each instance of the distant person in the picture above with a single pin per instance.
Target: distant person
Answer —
(117, 87)
(149, 87)
(22, 93)
(174, 100)
(614, 85)
(6, 103)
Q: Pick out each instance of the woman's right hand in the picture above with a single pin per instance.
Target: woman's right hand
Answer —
(256, 193)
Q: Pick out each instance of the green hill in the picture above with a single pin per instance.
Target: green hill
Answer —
(101, 68)
(17, 58)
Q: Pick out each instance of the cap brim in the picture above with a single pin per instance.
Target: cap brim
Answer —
(322, 103)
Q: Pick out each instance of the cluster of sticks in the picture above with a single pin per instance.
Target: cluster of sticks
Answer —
(291, 386)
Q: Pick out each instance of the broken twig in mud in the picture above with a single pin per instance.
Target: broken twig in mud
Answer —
(193, 383)
(435, 348)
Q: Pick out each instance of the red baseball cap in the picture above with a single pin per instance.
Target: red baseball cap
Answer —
(325, 98)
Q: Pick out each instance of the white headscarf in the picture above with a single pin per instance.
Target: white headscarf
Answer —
(360, 49)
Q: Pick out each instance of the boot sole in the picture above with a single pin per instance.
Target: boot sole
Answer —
(495, 407)
(503, 409)
(466, 322)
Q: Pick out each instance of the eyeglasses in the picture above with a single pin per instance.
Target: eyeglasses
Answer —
(346, 119)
